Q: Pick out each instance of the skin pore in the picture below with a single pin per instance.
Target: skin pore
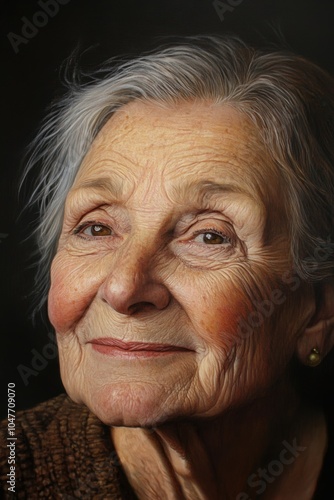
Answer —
(172, 230)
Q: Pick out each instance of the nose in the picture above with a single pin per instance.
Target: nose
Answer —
(131, 287)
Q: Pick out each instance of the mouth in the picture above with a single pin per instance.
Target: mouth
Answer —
(120, 348)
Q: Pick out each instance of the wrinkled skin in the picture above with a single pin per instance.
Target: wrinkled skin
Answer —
(172, 228)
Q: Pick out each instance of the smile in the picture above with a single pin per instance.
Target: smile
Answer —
(120, 348)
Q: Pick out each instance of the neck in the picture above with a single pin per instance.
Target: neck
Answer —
(246, 438)
(239, 452)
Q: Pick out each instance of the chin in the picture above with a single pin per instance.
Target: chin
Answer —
(133, 405)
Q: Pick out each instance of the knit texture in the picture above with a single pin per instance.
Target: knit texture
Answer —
(62, 452)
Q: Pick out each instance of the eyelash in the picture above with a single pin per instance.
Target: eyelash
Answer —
(78, 231)
(215, 231)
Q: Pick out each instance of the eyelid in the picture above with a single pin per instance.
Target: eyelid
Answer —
(221, 227)
(213, 230)
(218, 226)
(231, 242)
(78, 230)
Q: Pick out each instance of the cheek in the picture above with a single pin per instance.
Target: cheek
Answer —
(71, 292)
(219, 315)
(224, 304)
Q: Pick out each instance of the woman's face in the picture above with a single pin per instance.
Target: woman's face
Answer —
(174, 235)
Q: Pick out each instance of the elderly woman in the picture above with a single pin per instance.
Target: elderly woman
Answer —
(187, 206)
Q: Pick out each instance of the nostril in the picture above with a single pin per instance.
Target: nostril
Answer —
(133, 298)
(141, 307)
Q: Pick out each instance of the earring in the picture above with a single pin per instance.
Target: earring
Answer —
(314, 357)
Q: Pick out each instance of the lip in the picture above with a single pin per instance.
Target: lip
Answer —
(120, 348)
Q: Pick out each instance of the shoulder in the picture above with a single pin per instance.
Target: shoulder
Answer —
(60, 449)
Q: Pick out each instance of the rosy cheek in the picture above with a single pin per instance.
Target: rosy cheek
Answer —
(220, 321)
(62, 313)
(70, 294)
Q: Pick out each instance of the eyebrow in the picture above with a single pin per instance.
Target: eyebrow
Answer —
(207, 189)
(202, 190)
(115, 187)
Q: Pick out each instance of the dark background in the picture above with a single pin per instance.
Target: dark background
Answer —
(30, 80)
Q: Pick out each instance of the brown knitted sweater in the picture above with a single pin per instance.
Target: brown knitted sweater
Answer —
(62, 452)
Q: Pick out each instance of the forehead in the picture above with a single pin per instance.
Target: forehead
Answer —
(179, 144)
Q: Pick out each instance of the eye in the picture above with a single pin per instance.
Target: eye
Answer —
(210, 237)
(93, 230)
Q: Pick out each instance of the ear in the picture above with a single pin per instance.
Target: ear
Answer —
(319, 333)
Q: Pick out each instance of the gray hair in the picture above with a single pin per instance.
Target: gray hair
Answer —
(289, 99)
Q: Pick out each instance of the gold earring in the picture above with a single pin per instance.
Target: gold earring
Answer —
(314, 357)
